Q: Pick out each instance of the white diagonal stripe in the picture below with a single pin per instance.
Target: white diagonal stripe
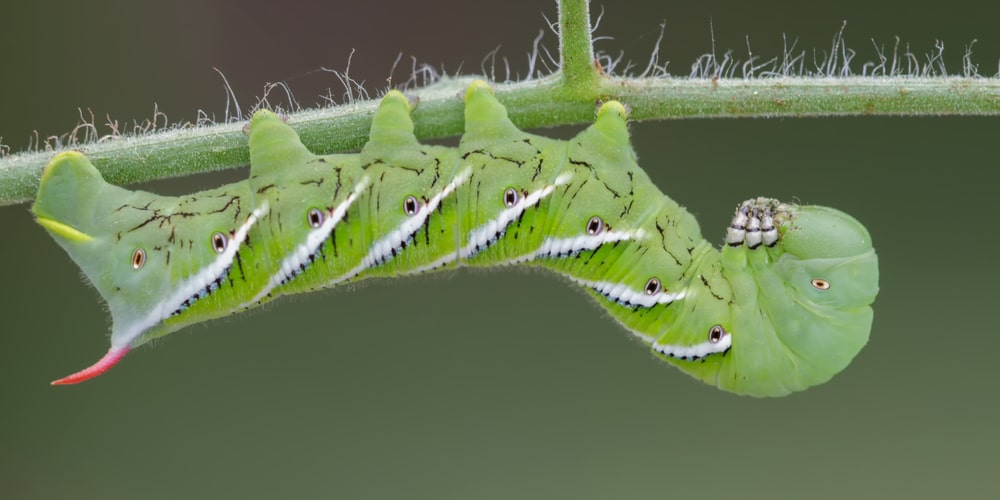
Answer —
(623, 294)
(558, 247)
(696, 351)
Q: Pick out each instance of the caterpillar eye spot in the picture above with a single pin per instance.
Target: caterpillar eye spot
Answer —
(716, 333)
(595, 226)
(410, 206)
(138, 258)
(511, 197)
(653, 286)
(820, 284)
(219, 242)
(315, 217)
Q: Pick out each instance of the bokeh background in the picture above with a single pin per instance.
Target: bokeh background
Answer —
(503, 384)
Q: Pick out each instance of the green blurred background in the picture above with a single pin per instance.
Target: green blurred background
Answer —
(503, 384)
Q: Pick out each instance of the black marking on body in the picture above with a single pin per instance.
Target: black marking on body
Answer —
(579, 187)
(376, 161)
(593, 174)
(239, 208)
(437, 172)
(232, 199)
(676, 260)
(627, 209)
(266, 188)
(371, 191)
(415, 170)
(427, 228)
(663, 232)
(488, 154)
(709, 287)
(135, 207)
(663, 240)
(583, 163)
(477, 191)
(520, 220)
(321, 253)
(590, 257)
(239, 264)
(162, 219)
(538, 169)
(336, 190)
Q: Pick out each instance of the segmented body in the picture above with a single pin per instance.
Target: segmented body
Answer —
(582, 208)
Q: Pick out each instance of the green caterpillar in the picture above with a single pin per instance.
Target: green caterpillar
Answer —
(783, 306)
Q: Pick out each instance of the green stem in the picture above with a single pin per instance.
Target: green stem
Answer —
(576, 50)
(568, 97)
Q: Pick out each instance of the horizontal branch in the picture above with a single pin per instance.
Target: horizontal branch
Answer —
(131, 159)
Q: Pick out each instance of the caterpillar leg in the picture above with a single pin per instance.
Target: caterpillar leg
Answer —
(756, 223)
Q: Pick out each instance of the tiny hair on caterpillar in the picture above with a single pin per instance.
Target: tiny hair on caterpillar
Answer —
(784, 305)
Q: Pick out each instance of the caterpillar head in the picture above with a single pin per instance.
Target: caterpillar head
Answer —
(130, 246)
(830, 272)
(772, 320)
(807, 311)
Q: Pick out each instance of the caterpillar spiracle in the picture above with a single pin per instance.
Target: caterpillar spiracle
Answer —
(784, 305)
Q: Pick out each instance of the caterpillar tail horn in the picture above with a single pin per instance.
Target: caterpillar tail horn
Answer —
(102, 365)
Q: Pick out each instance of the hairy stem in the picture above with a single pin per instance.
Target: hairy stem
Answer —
(576, 50)
(567, 97)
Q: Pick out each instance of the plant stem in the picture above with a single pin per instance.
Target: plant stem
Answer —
(576, 49)
(567, 97)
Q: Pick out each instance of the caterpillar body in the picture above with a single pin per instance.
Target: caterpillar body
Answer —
(783, 306)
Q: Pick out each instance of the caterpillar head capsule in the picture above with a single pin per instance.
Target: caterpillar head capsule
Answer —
(805, 309)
